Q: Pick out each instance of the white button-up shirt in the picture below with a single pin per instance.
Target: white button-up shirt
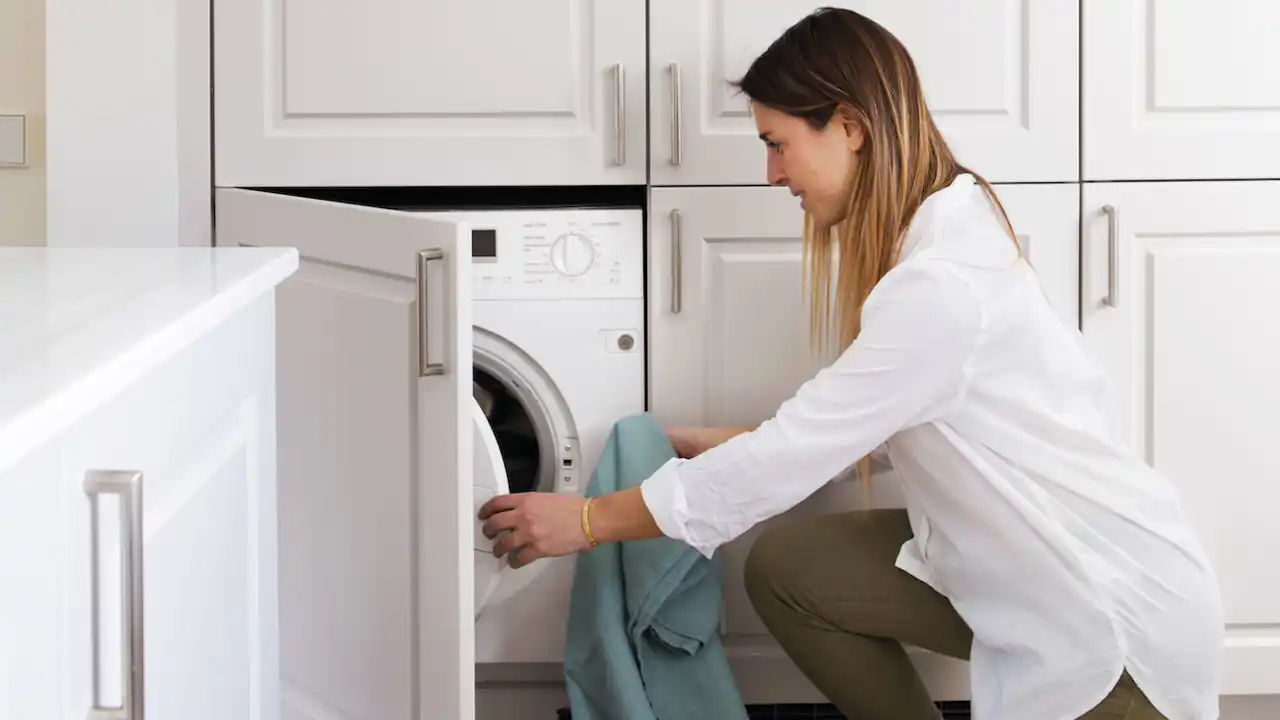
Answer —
(1069, 557)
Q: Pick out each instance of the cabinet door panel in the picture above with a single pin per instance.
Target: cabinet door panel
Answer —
(1181, 90)
(1000, 76)
(487, 92)
(1192, 346)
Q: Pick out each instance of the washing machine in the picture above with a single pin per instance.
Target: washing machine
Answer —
(558, 359)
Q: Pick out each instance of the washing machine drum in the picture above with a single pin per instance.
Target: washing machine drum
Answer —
(490, 479)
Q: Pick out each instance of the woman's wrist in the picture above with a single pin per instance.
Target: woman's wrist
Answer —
(620, 517)
(724, 435)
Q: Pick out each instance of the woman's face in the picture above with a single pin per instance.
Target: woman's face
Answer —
(816, 165)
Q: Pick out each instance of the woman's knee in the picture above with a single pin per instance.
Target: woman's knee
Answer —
(786, 560)
(798, 557)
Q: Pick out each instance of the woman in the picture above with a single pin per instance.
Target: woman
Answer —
(1032, 544)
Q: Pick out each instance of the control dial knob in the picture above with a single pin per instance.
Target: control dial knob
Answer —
(572, 254)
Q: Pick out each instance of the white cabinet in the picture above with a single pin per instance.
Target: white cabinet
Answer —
(1180, 90)
(496, 93)
(1001, 77)
(1179, 302)
(414, 92)
(376, 586)
(168, 609)
(729, 336)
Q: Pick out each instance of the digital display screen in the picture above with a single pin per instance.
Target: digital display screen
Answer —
(484, 243)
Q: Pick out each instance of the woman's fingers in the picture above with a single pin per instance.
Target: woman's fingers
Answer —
(512, 541)
(500, 504)
(506, 520)
(524, 555)
(530, 526)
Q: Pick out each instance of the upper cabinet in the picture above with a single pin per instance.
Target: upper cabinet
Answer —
(629, 92)
(1001, 78)
(1181, 90)
(416, 92)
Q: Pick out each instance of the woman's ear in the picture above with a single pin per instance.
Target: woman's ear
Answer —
(851, 123)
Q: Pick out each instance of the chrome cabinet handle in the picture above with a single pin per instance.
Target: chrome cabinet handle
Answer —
(619, 115)
(674, 69)
(677, 264)
(1113, 232)
(425, 366)
(128, 485)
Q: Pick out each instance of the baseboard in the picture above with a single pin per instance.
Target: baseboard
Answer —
(766, 676)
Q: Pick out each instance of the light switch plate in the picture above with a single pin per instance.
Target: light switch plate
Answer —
(13, 140)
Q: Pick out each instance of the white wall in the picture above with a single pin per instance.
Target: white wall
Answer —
(22, 93)
(127, 96)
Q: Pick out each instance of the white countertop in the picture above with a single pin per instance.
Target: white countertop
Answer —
(78, 325)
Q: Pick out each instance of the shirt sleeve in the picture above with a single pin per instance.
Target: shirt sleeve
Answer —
(907, 367)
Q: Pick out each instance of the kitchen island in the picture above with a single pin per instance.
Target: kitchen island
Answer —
(137, 482)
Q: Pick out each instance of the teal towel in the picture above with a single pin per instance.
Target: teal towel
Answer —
(643, 638)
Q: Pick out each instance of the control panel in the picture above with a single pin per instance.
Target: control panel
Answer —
(554, 253)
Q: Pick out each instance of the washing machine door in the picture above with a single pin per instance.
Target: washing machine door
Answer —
(490, 480)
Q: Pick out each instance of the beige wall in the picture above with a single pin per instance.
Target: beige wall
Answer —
(22, 189)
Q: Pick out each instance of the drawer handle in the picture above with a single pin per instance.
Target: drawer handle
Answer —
(425, 366)
(1113, 249)
(677, 264)
(128, 485)
(619, 115)
(674, 69)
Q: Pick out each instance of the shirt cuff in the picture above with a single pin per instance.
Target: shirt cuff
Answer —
(664, 495)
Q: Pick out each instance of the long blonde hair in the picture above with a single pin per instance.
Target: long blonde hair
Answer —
(836, 60)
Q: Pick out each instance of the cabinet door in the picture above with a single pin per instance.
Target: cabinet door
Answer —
(729, 343)
(376, 507)
(1191, 343)
(1001, 79)
(429, 92)
(175, 605)
(1180, 90)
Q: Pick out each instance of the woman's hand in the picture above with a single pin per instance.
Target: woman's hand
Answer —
(537, 525)
(691, 442)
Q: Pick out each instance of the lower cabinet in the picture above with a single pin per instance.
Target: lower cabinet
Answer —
(729, 335)
(138, 546)
(1181, 288)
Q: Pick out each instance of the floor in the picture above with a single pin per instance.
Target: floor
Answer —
(950, 711)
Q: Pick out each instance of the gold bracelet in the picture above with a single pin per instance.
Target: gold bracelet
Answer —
(586, 523)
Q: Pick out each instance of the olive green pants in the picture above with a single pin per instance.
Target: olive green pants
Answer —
(844, 624)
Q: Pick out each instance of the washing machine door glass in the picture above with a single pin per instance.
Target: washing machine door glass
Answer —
(490, 478)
